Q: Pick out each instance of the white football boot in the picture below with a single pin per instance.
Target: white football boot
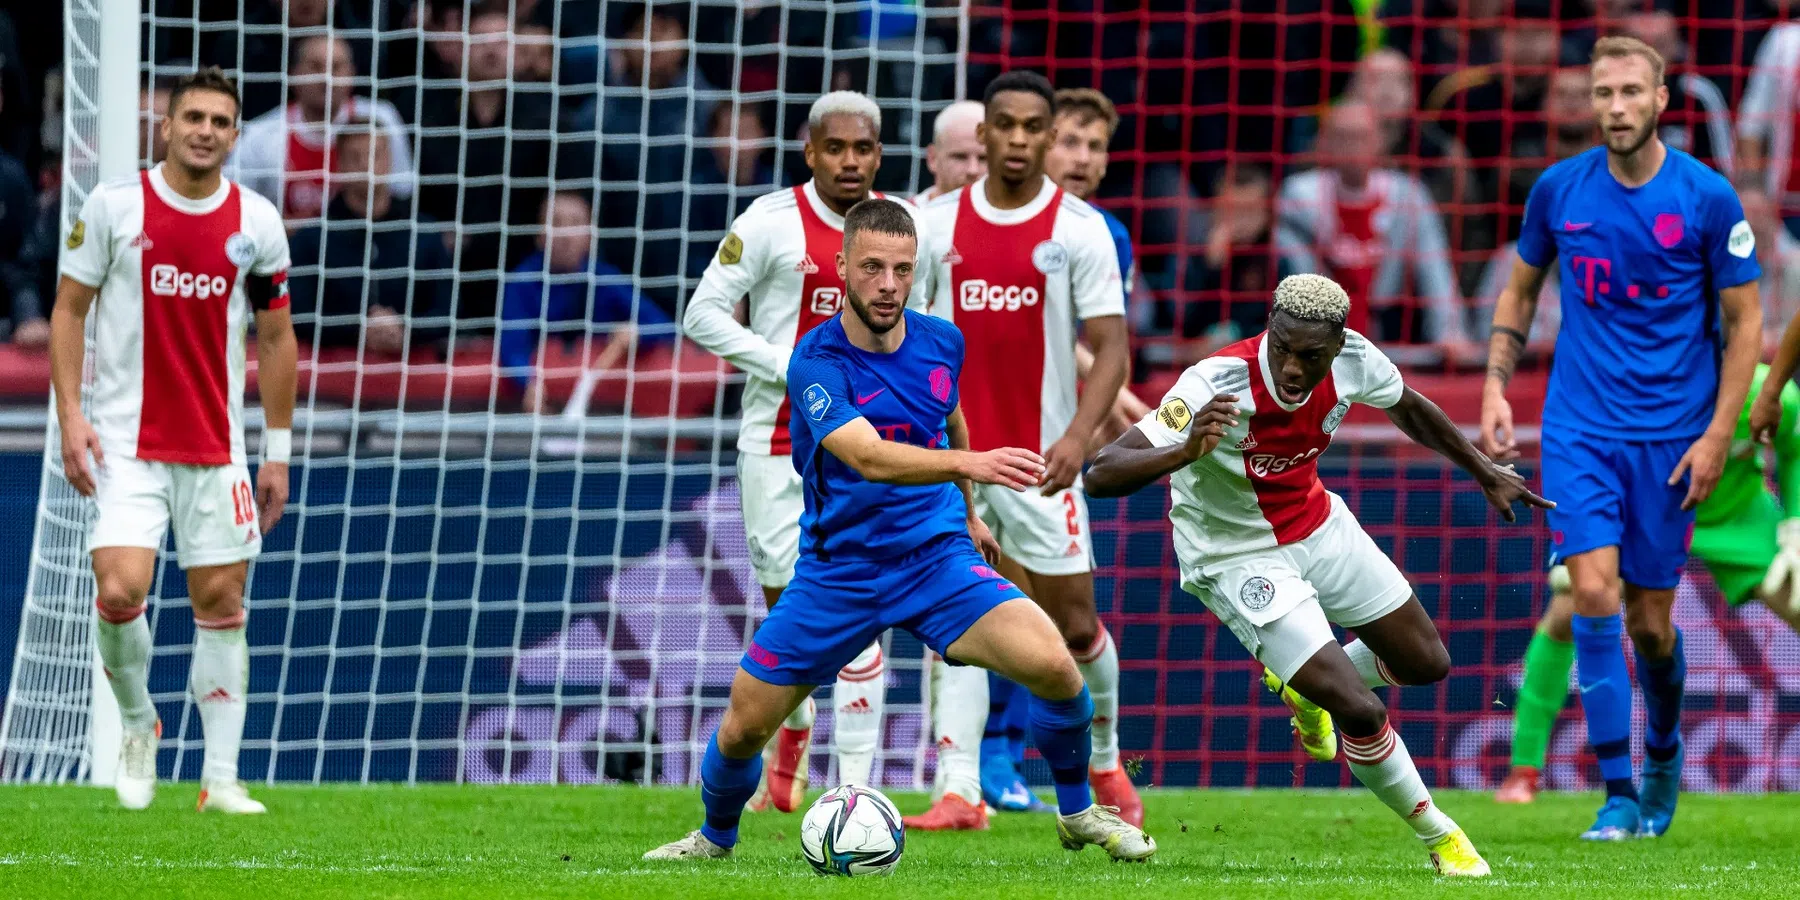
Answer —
(694, 846)
(135, 782)
(228, 797)
(1102, 827)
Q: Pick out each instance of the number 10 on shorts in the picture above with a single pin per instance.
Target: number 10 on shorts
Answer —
(243, 503)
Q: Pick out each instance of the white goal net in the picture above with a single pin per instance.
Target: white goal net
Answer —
(463, 590)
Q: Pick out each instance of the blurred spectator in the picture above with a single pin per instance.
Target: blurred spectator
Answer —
(740, 152)
(21, 254)
(1567, 128)
(284, 154)
(954, 157)
(1376, 231)
(1767, 125)
(1234, 275)
(653, 109)
(565, 292)
(534, 53)
(370, 264)
(275, 27)
(484, 157)
(1697, 120)
(153, 107)
(1384, 81)
(1778, 252)
(1478, 99)
(18, 120)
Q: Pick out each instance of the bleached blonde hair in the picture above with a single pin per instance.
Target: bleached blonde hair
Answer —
(1314, 298)
(844, 103)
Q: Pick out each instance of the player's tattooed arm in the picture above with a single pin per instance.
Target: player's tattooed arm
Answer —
(1513, 312)
(1128, 464)
(1428, 426)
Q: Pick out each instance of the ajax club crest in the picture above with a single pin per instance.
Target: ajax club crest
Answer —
(1336, 417)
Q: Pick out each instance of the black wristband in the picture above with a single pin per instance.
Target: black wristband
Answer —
(1514, 333)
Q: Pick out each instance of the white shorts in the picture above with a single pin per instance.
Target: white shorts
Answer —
(213, 509)
(1046, 535)
(770, 495)
(1282, 602)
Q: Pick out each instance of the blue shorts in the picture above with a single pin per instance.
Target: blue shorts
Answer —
(831, 611)
(1613, 493)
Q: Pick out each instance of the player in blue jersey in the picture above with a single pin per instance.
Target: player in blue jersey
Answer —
(1656, 261)
(890, 539)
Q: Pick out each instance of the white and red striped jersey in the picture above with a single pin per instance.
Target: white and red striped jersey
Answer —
(1016, 282)
(782, 254)
(172, 312)
(1260, 487)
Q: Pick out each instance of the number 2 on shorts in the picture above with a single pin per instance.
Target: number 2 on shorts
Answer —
(1070, 514)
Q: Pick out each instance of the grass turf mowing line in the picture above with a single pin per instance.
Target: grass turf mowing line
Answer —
(336, 843)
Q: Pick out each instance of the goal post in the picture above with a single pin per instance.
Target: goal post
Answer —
(55, 726)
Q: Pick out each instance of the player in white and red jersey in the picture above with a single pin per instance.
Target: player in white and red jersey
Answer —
(1019, 266)
(954, 157)
(180, 259)
(1279, 559)
(781, 255)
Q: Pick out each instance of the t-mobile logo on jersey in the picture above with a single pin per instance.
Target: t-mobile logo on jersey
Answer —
(977, 294)
(1592, 272)
(826, 301)
(168, 281)
(1263, 464)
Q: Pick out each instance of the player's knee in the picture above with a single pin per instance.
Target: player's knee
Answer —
(1360, 715)
(1429, 665)
(741, 737)
(223, 600)
(1652, 638)
(119, 600)
(1056, 677)
(1594, 593)
(1080, 633)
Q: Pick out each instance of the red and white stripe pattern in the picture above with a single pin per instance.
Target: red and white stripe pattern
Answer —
(868, 672)
(226, 623)
(1094, 650)
(114, 616)
(1373, 750)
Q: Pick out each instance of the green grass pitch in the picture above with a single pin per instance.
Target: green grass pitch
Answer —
(445, 841)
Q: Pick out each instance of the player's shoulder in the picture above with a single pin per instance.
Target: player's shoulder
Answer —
(257, 208)
(1357, 347)
(112, 190)
(1575, 169)
(1225, 372)
(941, 332)
(1699, 177)
(943, 206)
(773, 203)
(826, 341)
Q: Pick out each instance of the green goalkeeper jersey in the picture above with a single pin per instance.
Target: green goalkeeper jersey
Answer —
(1746, 468)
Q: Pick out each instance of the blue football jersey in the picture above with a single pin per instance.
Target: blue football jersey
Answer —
(1121, 245)
(1638, 354)
(908, 396)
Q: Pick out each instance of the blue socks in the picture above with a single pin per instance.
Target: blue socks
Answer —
(726, 784)
(1606, 698)
(1018, 725)
(1060, 728)
(1663, 682)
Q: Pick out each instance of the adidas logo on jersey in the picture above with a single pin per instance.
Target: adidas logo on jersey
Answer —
(1249, 441)
(218, 695)
(142, 242)
(952, 258)
(807, 266)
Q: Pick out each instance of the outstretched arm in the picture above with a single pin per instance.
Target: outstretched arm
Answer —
(860, 447)
(1422, 420)
(1131, 462)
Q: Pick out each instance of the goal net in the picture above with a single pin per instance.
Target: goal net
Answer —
(463, 590)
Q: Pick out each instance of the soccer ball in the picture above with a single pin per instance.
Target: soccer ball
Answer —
(852, 830)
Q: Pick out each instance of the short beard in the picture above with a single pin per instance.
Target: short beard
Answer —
(1642, 139)
(861, 310)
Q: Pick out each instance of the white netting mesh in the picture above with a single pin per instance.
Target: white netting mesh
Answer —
(461, 590)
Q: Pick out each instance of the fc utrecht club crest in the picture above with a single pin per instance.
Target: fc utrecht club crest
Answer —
(1336, 417)
(240, 249)
(1050, 257)
(940, 383)
(1668, 229)
(1257, 593)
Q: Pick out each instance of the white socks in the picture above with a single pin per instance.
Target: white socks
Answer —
(801, 719)
(1099, 665)
(1382, 764)
(858, 697)
(1374, 672)
(124, 642)
(959, 709)
(218, 677)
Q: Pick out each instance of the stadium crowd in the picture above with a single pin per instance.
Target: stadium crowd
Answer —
(484, 180)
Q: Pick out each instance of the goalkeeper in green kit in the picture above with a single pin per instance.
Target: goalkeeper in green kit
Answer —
(1749, 541)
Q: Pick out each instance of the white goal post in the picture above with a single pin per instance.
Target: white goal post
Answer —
(462, 591)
